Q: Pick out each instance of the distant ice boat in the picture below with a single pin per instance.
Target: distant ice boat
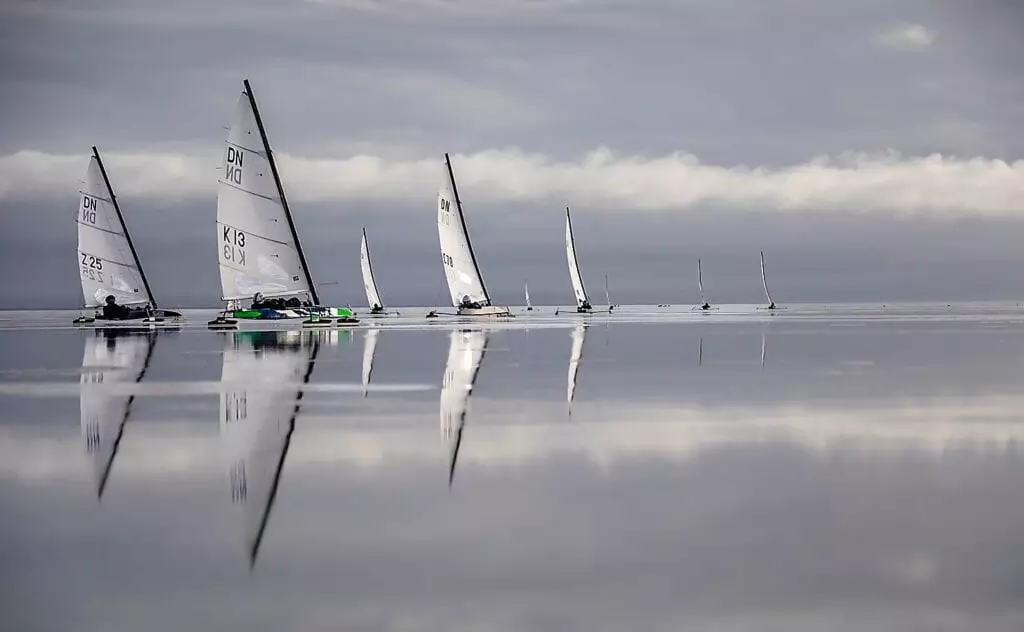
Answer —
(526, 291)
(465, 353)
(109, 265)
(111, 356)
(764, 282)
(607, 296)
(704, 305)
(461, 270)
(579, 334)
(257, 417)
(261, 259)
(369, 282)
(582, 301)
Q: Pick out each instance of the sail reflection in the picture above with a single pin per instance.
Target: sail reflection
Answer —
(263, 377)
(465, 353)
(111, 356)
(369, 349)
(579, 334)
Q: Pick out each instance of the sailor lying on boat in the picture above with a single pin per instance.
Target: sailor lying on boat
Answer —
(584, 307)
(113, 311)
(468, 304)
(258, 302)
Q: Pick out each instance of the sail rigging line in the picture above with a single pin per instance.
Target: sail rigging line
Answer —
(465, 229)
(124, 227)
(280, 191)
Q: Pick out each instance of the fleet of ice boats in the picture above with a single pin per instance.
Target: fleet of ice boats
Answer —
(264, 273)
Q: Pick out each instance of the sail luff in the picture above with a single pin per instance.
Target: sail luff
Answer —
(280, 191)
(465, 230)
(579, 290)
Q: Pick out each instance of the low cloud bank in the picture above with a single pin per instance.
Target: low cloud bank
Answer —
(602, 179)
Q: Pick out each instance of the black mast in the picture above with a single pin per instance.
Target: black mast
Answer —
(575, 259)
(465, 231)
(124, 228)
(280, 192)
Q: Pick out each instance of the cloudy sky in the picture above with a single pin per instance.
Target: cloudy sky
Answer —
(872, 149)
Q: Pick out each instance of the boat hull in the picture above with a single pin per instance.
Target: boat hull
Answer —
(488, 310)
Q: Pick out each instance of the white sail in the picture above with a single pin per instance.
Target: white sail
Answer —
(579, 334)
(465, 353)
(111, 356)
(256, 247)
(262, 379)
(607, 297)
(700, 282)
(526, 291)
(465, 283)
(106, 263)
(764, 281)
(369, 284)
(574, 266)
(369, 349)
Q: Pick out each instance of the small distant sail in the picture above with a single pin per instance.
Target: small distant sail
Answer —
(700, 282)
(112, 356)
(582, 302)
(579, 334)
(369, 284)
(262, 379)
(258, 247)
(465, 353)
(461, 271)
(107, 261)
(526, 291)
(764, 282)
(607, 297)
(369, 349)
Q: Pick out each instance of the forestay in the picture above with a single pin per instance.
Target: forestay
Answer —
(461, 271)
(369, 284)
(257, 249)
(262, 379)
(107, 265)
(574, 266)
(465, 353)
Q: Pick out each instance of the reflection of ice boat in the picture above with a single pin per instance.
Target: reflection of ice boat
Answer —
(111, 356)
(369, 350)
(579, 334)
(262, 380)
(465, 353)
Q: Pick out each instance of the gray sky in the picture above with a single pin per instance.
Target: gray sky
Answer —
(869, 149)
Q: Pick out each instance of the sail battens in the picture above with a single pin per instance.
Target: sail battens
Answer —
(88, 226)
(246, 191)
(258, 236)
(106, 260)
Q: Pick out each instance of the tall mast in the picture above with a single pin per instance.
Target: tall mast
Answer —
(280, 193)
(124, 228)
(465, 231)
(575, 259)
